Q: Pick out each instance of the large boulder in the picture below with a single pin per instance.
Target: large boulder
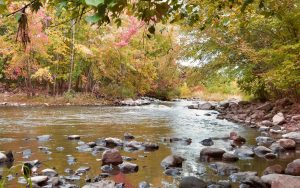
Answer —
(224, 169)
(211, 153)
(172, 161)
(192, 182)
(275, 169)
(278, 119)
(287, 144)
(293, 168)
(281, 181)
(112, 156)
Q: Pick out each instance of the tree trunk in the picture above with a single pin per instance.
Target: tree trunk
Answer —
(72, 55)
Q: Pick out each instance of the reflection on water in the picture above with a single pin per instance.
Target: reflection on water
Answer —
(20, 126)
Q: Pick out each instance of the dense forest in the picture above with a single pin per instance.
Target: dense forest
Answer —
(164, 49)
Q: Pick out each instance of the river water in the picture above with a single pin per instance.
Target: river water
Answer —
(19, 127)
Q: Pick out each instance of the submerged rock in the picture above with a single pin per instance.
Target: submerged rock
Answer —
(244, 152)
(252, 181)
(3, 158)
(43, 138)
(228, 157)
(49, 172)
(173, 171)
(172, 161)
(144, 184)
(128, 136)
(192, 182)
(240, 176)
(261, 151)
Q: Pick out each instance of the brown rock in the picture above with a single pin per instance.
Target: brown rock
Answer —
(111, 156)
(287, 144)
(293, 168)
(275, 169)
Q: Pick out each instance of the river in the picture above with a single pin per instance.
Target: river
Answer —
(19, 127)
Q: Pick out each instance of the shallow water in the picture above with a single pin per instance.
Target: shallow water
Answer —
(147, 123)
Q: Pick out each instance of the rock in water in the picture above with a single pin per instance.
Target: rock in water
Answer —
(275, 169)
(228, 157)
(287, 144)
(112, 156)
(74, 137)
(102, 184)
(207, 142)
(127, 167)
(43, 138)
(224, 169)
(39, 180)
(293, 135)
(192, 182)
(172, 161)
(49, 172)
(211, 153)
(3, 158)
(293, 168)
(281, 181)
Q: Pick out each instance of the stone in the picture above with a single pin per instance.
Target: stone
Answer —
(276, 148)
(207, 142)
(91, 144)
(49, 172)
(192, 182)
(278, 119)
(3, 158)
(224, 169)
(252, 182)
(39, 180)
(280, 181)
(127, 167)
(43, 138)
(270, 156)
(240, 176)
(144, 184)
(261, 151)
(128, 136)
(296, 118)
(266, 107)
(60, 148)
(264, 140)
(228, 157)
(84, 148)
(293, 135)
(293, 168)
(82, 169)
(206, 106)
(134, 145)
(266, 123)
(173, 171)
(102, 184)
(74, 137)
(287, 144)
(263, 128)
(113, 142)
(112, 156)
(211, 153)
(150, 146)
(244, 152)
(274, 169)
(172, 161)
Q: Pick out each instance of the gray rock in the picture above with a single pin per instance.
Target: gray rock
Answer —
(293, 135)
(172, 161)
(224, 169)
(207, 142)
(39, 179)
(244, 152)
(49, 172)
(113, 142)
(253, 182)
(263, 128)
(84, 148)
(127, 167)
(173, 171)
(192, 182)
(261, 151)
(263, 140)
(278, 119)
(3, 158)
(276, 148)
(43, 138)
(82, 169)
(240, 176)
(144, 184)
